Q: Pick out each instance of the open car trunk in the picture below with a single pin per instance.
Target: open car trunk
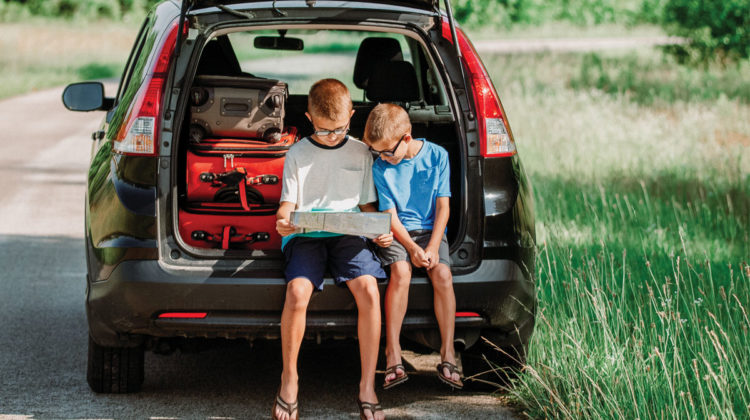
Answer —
(246, 107)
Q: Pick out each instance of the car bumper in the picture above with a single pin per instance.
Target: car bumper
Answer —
(130, 305)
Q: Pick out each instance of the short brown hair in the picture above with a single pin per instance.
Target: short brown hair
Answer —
(329, 98)
(385, 122)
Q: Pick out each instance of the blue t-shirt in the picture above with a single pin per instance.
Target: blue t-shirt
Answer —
(413, 185)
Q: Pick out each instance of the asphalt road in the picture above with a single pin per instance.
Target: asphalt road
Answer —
(44, 151)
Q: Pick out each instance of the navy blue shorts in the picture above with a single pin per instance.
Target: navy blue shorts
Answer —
(346, 257)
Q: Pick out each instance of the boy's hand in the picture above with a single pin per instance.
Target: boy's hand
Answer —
(384, 241)
(284, 227)
(418, 257)
(433, 257)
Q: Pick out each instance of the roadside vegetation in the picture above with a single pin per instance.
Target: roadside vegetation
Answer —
(643, 224)
(641, 173)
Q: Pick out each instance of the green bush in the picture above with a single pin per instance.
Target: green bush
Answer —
(716, 30)
(505, 13)
(10, 9)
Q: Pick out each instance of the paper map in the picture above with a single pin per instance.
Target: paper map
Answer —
(367, 224)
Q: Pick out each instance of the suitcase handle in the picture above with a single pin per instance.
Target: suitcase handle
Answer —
(229, 236)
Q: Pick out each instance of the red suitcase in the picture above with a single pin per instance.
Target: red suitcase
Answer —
(216, 167)
(229, 226)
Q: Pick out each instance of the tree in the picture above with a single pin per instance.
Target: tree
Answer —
(715, 30)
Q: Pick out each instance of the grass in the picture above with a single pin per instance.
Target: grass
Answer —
(643, 223)
(44, 53)
(643, 216)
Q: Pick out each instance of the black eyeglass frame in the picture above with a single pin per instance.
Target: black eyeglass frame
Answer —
(336, 131)
(388, 153)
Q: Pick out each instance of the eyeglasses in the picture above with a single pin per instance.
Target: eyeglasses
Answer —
(336, 131)
(388, 153)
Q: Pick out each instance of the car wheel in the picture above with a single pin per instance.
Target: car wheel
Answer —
(114, 370)
(487, 367)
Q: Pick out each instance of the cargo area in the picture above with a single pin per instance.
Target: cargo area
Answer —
(246, 107)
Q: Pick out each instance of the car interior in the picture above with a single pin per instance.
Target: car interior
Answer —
(376, 66)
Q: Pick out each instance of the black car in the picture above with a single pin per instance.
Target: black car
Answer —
(153, 283)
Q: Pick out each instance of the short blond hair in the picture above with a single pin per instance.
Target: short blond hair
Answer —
(329, 98)
(386, 122)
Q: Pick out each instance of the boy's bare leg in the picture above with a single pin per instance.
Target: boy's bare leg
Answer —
(293, 319)
(367, 296)
(396, 300)
(445, 312)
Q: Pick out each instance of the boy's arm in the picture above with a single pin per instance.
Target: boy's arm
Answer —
(416, 253)
(442, 213)
(385, 240)
(283, 225)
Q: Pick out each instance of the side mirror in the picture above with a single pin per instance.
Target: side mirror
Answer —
(86, 96)
(278, 43)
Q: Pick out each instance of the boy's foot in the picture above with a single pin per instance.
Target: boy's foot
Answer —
(450, 374)
(283, 410)
(370, 411)
(395, 375)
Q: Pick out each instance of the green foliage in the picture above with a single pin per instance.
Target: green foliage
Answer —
(643, 224)
(649, 81)
(93, 71)
(717, 30)
(478, 13)
(10, 9)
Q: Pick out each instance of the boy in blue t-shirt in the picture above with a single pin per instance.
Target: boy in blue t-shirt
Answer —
(412, 179)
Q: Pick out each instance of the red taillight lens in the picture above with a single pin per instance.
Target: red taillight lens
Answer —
(184, 315)
(466, 314)
(495, 137)
(138, 136)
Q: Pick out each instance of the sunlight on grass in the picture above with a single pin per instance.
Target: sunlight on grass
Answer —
(643, 217)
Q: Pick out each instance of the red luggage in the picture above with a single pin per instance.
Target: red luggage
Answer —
(250, 169)
(229, 226)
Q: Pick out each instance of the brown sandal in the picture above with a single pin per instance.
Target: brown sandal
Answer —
(398, 379)
(448, 379)
(373, 407)
(289, 408)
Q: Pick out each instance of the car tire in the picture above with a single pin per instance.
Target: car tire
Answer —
(489, 368)
(115, 370)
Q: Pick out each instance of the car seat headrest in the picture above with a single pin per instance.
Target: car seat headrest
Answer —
(371, 52)
(394, 81)
(215, 60)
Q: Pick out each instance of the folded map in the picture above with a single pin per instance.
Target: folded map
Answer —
(368, 224)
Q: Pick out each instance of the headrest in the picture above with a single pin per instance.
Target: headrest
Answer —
(393, 81)
(215, 59)
(372, 51)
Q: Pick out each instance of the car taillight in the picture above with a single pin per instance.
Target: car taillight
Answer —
(495, 137)
(183, 315)
(138, 135)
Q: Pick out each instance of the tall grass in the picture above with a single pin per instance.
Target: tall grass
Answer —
(643, 216)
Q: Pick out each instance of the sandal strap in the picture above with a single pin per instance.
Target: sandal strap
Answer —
(394, 368)
(373, 407)
(451, 367)
(289, 408)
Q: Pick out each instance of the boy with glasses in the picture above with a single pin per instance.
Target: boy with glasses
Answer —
(328, 171)
(412, 179)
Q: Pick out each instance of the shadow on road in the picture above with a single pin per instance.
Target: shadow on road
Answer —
(43, 360)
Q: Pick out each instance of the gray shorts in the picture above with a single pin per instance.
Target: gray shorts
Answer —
(397, 252)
